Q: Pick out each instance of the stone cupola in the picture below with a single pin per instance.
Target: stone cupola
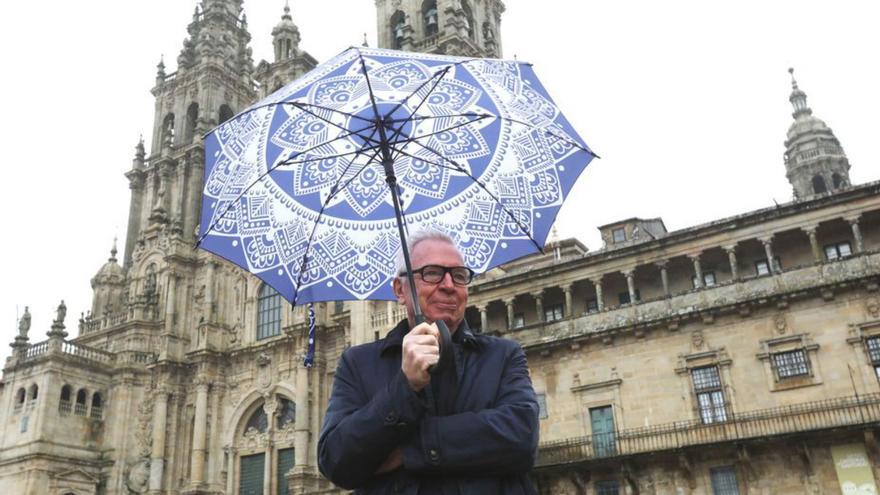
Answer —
(814, 159)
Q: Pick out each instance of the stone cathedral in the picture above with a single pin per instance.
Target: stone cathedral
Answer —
(741, 356)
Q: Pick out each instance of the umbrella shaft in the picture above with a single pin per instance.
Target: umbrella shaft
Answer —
(391, 180)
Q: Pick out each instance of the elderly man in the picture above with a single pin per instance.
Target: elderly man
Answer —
(391, 427)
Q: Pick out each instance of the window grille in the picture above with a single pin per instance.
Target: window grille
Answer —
(724, 481)
(607, 488)
(791, 364)
(710, 397)
(553, 313)
(269, 313)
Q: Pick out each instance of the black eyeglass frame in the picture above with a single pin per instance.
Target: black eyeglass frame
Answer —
(446, 269)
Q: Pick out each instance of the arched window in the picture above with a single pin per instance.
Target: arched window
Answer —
(192, 120)
(838, 181)
(19, 400)
(429, 17)
(80, 407)
(168, 129)
(226, 113)
(269, 313)
(819, 185)
(97, 411)
(469, 19)
(257, 440)
(32, 398)
(398, 21)
(286, 413)
(65, 405)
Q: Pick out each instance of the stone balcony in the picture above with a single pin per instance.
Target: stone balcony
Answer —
(844, 412)
(705, 303)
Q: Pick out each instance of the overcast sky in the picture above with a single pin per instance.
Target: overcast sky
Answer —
(686, 102)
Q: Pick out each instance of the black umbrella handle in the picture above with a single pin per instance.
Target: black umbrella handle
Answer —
(446, 352)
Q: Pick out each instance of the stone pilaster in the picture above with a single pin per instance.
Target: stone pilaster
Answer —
(814, 242)
(857, 234)
(509, 303)
(768, 251)
(157, 454)
(731, 258)
(199, 445)
(664, 276)
(484, 317)
(568, 310)
(698, 270)
(600, 296)
(631, 284)
(539, 304)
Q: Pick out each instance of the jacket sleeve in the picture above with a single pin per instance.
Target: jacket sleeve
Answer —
(360, 431)
(493, 442)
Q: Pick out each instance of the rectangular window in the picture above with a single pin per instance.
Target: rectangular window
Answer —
(251, 478)
(602, 424)
(623, 297)
(619, 235)
(837, 251)
(724, 481)
(710, 397)
(608, 487)
(542, 406)
(873, 344)
(553, 312)
(762, 268)
(791, 364)
(519, 320)
(592, 306)
(708, 279)
(285, 464)
(338, 307)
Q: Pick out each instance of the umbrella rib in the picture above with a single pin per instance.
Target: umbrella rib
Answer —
(557, 136)
(262, 176)
(334, 124)
(336, 190)
(461, 170)
(456, 126)
(442, 74)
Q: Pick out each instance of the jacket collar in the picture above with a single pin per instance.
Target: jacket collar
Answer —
(394, 340)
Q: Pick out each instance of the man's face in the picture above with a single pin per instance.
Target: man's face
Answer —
(442, 301)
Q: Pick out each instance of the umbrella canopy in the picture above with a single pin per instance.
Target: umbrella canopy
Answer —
(312, 188)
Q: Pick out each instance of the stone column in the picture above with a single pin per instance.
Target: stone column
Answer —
(231, 453)
(270, 406)
(199, 445)
(768, 251)
(731, 258)
(631, 284)
(857, 234)
(301, 421)
(539, 304)
(484, 317)
(157, 455)
(600, 297)
(509, 303)
(169, 303)
(664, 276)
(568, 310)
(698, 270)
(209, 291)
(814, 242)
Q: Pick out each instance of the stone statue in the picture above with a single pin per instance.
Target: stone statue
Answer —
(62, 312)
(24, 324)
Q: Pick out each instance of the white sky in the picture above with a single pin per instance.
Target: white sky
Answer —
(686, 102)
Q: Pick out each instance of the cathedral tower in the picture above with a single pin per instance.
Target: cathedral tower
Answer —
(814, 160)
(453, 27)
(290, 62)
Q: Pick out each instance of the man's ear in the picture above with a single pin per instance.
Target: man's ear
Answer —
(397, 286)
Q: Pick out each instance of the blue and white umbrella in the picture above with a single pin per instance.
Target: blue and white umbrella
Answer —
(313, 188)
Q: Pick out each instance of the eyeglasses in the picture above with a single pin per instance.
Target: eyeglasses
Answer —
(434, 274)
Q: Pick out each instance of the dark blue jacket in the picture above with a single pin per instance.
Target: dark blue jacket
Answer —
(485, 447)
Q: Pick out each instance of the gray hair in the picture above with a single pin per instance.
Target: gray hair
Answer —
(415, 239)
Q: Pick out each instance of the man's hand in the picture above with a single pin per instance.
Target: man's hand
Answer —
(392, 462)
(421, 349)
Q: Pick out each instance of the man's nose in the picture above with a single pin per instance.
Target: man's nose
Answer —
(446, 282)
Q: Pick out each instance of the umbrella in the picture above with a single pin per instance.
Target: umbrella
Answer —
(314, 188)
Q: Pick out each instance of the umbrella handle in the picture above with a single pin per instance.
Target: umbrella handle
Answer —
(447, 358)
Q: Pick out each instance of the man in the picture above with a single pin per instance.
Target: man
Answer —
(391, 427)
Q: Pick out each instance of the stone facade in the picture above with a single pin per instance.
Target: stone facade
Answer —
(742, 351)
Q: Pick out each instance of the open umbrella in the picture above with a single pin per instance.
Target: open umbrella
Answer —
(314, 188)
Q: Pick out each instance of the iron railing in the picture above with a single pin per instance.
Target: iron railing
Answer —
(785, 420)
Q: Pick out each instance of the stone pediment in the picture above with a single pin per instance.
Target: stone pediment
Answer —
(75, 475)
